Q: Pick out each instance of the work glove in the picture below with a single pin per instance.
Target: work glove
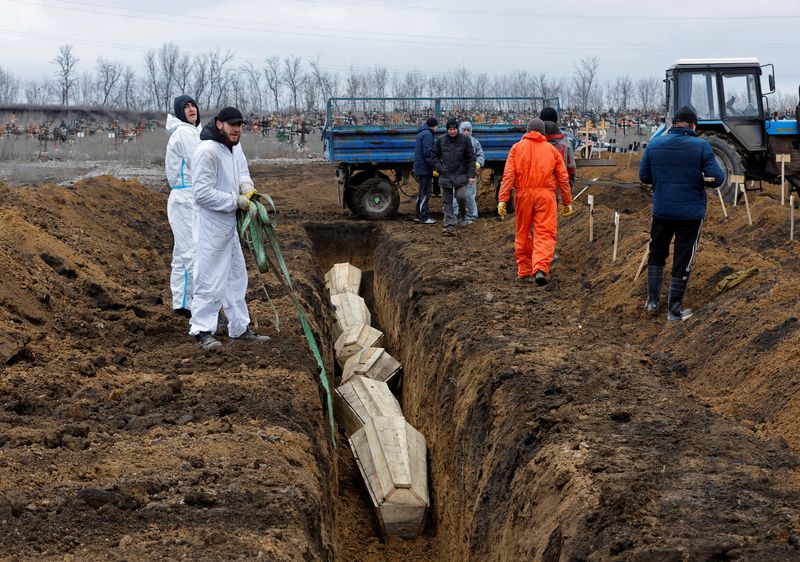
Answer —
(435, 174)
(568, 210)
(243, 201)
(246, 187)
(501, 209)
(730, 281)
(477, 166)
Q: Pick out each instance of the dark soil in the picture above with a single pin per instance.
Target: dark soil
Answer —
(562, 422)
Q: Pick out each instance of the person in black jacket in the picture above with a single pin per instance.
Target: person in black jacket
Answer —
(454, 162)
(679, 165)
(423, 169)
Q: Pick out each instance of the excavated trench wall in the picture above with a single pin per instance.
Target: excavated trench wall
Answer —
(550, 437)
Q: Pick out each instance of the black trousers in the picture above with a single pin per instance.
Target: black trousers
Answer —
(424, 197)
(687, 235)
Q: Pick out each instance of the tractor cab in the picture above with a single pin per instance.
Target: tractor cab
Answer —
(726, 95)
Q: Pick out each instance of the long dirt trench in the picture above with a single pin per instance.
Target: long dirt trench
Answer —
(554, 431)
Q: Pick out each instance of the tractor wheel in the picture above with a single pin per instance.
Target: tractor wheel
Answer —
(729, 160)
(375, 199)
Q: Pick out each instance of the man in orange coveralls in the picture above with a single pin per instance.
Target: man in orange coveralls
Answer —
(534, 169)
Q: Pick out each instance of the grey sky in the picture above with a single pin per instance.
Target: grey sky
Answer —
(495, 36)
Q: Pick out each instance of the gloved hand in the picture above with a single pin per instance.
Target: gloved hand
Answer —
(501, 209)
(243, 201)
(246, 187)
(477, 166)
(568, 210)
(435, 174)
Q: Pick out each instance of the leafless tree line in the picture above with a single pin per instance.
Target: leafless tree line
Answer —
(217, 78)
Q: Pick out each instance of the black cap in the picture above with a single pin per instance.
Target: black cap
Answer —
(179, 105)
(685, 115)
(452, 123)
(549, 114)
(431, 122)
(230, 115)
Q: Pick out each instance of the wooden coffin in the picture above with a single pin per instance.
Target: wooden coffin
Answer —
(351, 310)
(355, 338)
(374, 363)
(391, 458)
(343, 278)
(360, 398)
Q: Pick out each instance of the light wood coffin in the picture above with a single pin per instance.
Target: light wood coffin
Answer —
(351, 310)
(355, 338)
(373, 362)
(391, 458)
(343, 278)
(359, 399)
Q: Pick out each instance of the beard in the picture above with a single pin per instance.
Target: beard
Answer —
(227, 139)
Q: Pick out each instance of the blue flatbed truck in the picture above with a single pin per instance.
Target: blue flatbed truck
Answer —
(371, 140)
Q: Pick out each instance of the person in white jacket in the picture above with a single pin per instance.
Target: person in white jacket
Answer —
(184, 127)
(222, 184)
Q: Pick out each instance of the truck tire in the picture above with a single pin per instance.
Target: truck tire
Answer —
(729, 160)
(375, 199)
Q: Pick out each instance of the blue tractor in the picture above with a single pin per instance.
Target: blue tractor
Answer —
(734, 117)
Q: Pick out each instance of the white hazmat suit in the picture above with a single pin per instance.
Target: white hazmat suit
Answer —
(220, 276)
(183, 140)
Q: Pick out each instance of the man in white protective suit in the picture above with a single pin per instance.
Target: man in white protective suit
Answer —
(184, 127)
(222, 185)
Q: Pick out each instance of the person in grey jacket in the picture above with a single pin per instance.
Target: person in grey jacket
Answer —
(472, 188)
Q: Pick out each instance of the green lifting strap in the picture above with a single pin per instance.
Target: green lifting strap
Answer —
(254, 225)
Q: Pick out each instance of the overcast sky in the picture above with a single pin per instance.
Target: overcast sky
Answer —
(495, 36)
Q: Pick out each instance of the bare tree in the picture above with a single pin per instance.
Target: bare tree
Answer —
(292, 76)
(153, 82)
(647, 92)
(272, 75)
(200, 78)
(128, 88)
(168, 58)
(621, 93)
(379, 80)
(66, 73)
(327, 82)
(109, 74)
(584, 81)
(220, 77)
(9, 87)
(87, 89)
(183, 74)
(254, 84)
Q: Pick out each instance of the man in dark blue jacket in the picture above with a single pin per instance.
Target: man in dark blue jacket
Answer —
(680, 166)
(423, 169)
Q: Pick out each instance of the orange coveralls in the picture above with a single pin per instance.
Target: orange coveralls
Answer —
(535, 169)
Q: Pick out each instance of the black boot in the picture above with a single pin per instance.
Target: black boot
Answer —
(655, 278)
(677, 288)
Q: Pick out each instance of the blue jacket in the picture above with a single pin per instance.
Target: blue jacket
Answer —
(675, 164)
(423, 151)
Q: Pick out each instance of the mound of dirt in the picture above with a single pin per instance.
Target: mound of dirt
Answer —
(562, 422)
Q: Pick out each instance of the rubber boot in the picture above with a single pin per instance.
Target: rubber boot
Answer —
(675, 310)
(655, 278)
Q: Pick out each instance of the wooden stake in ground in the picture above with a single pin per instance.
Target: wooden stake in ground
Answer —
(590, 199)
(791, 217)
(738, 183)
(644, 261)
(630, 157)
(783, 159)
(616, 236)
(721, 202)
